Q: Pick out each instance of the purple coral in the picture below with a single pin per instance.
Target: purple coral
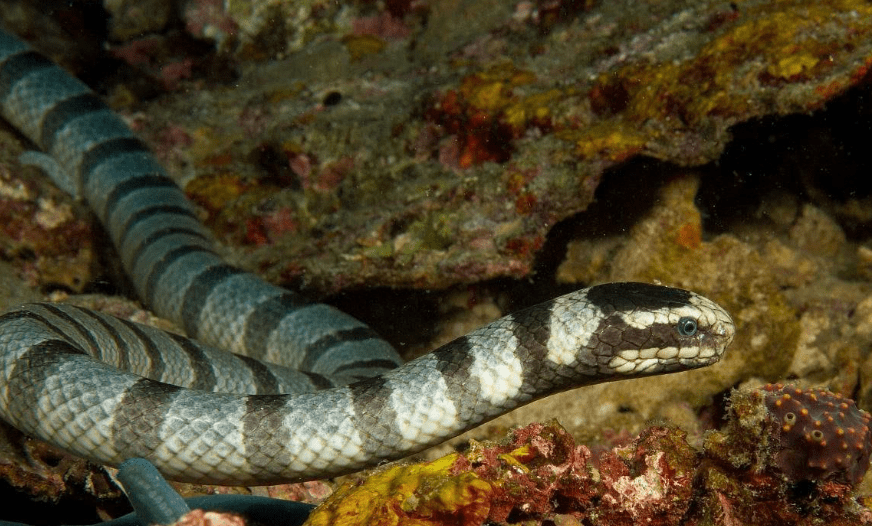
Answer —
(823, 436)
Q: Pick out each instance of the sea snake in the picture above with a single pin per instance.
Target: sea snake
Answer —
(354, 404)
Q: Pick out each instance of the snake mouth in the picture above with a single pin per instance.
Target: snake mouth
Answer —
(711, 348)
(697, 363)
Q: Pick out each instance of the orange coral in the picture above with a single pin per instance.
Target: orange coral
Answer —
(485, 114)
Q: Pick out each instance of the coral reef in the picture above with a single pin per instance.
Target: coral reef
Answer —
(781, 460)
(402, 179)
(823, 436)
(800, 434)
(39, 229)
(380, 145)
(539, 475)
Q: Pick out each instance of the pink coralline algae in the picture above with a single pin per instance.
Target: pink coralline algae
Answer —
(823, 436)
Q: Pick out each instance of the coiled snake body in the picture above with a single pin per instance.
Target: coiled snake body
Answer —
(62, 377)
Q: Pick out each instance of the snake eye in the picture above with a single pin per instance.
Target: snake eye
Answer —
(686, 326)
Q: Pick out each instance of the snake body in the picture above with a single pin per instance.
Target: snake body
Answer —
(108, 389)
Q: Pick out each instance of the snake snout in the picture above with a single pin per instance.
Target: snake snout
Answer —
(721, 335)
(725, 329)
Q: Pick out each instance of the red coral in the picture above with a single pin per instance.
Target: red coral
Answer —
(649, 481)
(539, 472)
(823, 436)
(477, 135)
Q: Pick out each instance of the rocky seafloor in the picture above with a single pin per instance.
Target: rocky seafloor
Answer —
(429, 174)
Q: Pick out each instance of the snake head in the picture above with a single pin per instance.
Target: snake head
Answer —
(650, 329)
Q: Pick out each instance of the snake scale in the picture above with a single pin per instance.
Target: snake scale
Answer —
(340, 398)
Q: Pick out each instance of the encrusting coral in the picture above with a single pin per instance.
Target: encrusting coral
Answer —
(823, 436)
